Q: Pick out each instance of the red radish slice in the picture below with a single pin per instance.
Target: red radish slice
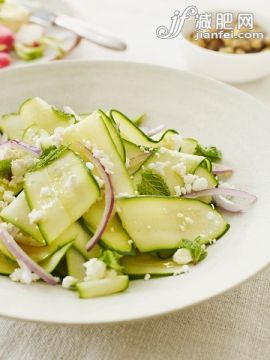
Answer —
(5, 60)
(109, 198)
(22, 257)
(7, 39)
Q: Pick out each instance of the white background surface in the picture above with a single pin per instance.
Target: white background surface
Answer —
(233, 326)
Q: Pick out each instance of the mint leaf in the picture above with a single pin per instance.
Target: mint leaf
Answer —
(49, 155)
(152, 184)
(5, 168)
(196, 249)
(210, 152)
(111, 259)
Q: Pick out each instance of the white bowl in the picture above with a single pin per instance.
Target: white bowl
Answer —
(205, 109)
(232, 68)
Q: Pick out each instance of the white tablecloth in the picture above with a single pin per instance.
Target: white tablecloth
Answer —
(235, 325)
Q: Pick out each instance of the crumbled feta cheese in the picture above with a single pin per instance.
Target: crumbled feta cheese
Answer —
(104, 159)
(200, 184)
(99, 181)
(179, 215)
(89, 165)
(188, 188)
(130, 241)
(212, 241)
(182, 227)
(8, 196)
(180, 169)
(20, 166)
(69, 282)
(182, 256)
(111, 273)
(6, 153)
(87, 144)
(177, 190)
(95, 269)
(163, 150)
(183, 191)
(147, 277)
(56, 139)
(36, 216)
(189, 178)
(24, 275)
(159, 166)
(185, 268)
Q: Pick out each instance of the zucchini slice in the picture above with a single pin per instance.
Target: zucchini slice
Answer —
(7, 266)
(12, 125)
(75, 263)
(156, 223)
(36, 111)
(51, 263)
(17, 213)
(129, 131)
(140, 265)
(61, 199)
(114, 237)
(93, 129)
(102, 287)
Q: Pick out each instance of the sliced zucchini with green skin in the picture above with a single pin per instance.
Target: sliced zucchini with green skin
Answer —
(83, 185)
(132, 150)
(94, 130)
(169, 159)
(41, 253)
(12, 125)
(129, 131)
(6, 266)
(51, 263)
(36, 111)
(115, 135)
(189, 146)
(82, 238)
(140, 265)
(75, 263)
(17, 213)
(52, 208)
(114, 237)
(102, 287)
(156, 223)
(61, 201)
(211, 180)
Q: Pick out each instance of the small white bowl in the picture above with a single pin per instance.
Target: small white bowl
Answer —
(232, 68)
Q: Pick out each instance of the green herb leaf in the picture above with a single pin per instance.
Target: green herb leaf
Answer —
(49, 155)
(152, 184)
(5, 168)
(210, 152)
(196, 249)
(111, 259)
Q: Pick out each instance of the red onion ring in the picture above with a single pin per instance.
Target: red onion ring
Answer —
(21, 256)
(109, 198)
(219, 169)
(219, 196)
(32, 149)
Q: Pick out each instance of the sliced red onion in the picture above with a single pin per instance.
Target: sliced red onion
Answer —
(219, 169)
(155, 130)
(22, 257)
(109, 198)
(232, 200)
(32, 149)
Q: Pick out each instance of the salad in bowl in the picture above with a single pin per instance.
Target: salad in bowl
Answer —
(95, 200)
